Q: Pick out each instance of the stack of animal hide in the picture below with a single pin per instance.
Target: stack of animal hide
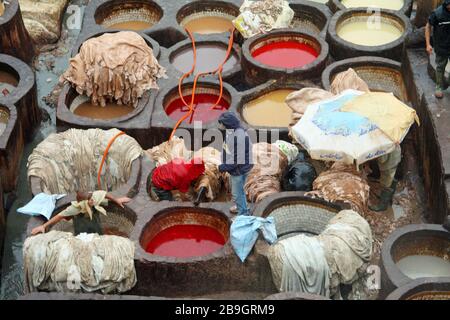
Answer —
(169, 150)
(116, 67)
(348, 80)
(343, 183)
(264, 178)
(59, 261)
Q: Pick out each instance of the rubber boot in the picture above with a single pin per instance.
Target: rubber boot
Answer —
(385, 200)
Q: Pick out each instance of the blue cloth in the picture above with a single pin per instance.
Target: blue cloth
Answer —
(237, 151)
(332, 121)
(41, 204)
(244, 233)
(238, 194)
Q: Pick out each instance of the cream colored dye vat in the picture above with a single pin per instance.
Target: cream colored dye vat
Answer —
(383, 4)
(368, 34)
(269, 110)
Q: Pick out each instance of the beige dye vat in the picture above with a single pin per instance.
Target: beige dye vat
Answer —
(208, 24)
(4, 119)
(110, 111)
(269, 110)
(365, 33)
(7, 83)
(134, 25)
(424, 266)
(383, 4)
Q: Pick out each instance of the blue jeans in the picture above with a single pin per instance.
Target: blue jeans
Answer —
(238, 193)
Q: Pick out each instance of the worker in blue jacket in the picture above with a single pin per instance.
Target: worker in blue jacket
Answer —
(236, 159)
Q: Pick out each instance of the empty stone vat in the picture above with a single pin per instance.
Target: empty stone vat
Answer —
(216, 272)
(11, 146)
(207, 17)
(284, 55)
(423, 289)
(404, 6)
(360, 32)
(412, 252)
(18, 87)
(309, 16)
(380, 74)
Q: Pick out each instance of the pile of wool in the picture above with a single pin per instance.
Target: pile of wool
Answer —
(117, 67)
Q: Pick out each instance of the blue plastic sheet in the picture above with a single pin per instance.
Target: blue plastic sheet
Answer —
(42, 204)
(244, 233)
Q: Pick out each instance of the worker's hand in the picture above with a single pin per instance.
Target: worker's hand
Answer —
(37, 230)
(429, 49)
(122, 200)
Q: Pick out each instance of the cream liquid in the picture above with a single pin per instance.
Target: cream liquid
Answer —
(422, 266)
(365, 34)
(384, 4)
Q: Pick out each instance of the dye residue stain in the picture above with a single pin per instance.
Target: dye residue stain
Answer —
(285, 54)
(424, 266)
(366, 34)
(131, 25)
(183, 241)
(110, 111)
(270, 110)
(208, 25)
(209, 57)
(384, 4)
(202, 108)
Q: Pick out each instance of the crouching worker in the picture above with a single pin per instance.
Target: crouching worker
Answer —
(388, 167)
(175, 175)
(85, 212)
(236, 159)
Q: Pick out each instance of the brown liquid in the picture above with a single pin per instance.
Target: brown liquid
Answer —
(4, 118)
(2, 8)
(209, 57)
(7, 83)
(131, 25)
(208, 25)
(110, 111)
(270, 110)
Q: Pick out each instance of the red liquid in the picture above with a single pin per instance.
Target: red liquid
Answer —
(285, 54)
(184, 241)
(202, 108)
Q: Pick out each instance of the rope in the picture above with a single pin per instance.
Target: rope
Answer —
(105, 154)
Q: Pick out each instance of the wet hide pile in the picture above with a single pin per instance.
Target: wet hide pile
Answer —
(59, 261)
(117, 67)
(69, 161)
(265, 176)
(342, 183)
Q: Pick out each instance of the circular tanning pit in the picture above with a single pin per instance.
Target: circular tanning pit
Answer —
(207, 17)
(8, 80)
(423, 289)
(414, 252)
(185, 233)
(355, 32)
(283, 54)
(118, 221)
(380, 74)
(128, 15)
(309, 17)
(205, 99)
(210, 54)
(83, 107)
(4, 119)
(268, 110)
(404, 6)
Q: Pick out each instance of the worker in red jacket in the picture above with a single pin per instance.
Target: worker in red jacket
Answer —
(175, 175)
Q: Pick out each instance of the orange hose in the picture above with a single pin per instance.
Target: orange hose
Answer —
(191, 109)
(105, 154)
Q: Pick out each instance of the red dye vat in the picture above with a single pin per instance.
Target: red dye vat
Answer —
(184, 241)
(285, 54)
(203, 102)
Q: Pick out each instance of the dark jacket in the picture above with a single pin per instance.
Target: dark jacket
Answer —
(440, 20)
(237, 150)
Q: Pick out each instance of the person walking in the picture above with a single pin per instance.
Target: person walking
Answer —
(236, 159)
(440, 21)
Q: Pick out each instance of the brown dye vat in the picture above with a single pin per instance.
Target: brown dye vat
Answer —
(7, 83)
(4, 119)
(209, 57)
(269, 110)
(89, 110)
(208, 24)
